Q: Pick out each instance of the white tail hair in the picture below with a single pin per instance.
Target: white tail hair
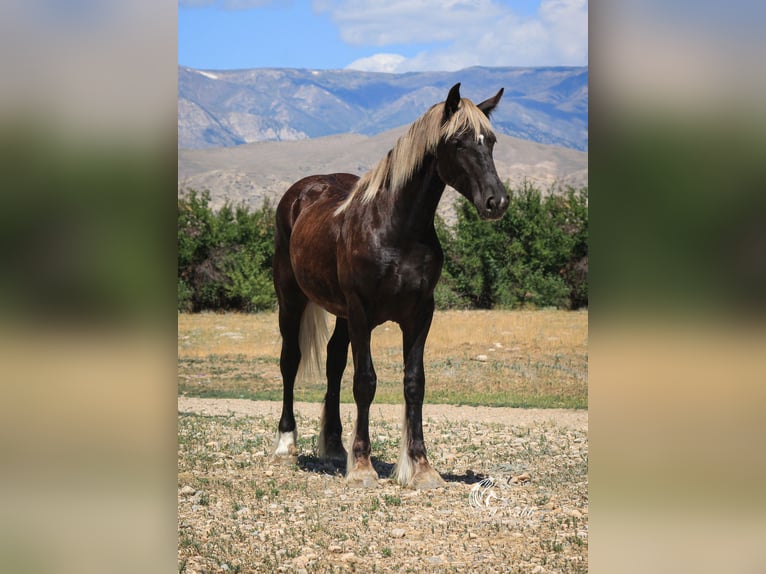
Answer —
(312, 340)
(405, 467)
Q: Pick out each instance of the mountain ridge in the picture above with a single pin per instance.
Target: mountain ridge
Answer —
(226, 108)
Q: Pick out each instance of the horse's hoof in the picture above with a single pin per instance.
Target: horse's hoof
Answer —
(287, 456)
(285, 459)
(362, 477)
(426, 479)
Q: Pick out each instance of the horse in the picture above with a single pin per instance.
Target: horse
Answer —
(366, 251)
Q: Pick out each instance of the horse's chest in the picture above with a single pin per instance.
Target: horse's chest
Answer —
(415, 269)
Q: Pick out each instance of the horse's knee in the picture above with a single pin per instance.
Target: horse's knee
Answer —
(414, 389)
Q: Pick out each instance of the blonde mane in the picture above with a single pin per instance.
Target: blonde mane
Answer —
(398, 166)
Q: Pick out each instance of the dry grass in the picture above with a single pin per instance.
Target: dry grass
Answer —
(533, 358)
(239, 510)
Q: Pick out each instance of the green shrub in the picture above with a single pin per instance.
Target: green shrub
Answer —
(224, 257)
(184, 298)
(536, 255)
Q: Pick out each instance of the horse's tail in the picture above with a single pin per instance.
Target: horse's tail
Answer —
(312, 340)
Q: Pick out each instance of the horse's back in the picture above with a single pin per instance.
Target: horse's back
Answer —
(329, 190)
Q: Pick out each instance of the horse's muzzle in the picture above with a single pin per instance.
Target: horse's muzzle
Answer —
(495, 206)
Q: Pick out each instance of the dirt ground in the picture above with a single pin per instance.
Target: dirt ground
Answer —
(576, 419)
(516, 498)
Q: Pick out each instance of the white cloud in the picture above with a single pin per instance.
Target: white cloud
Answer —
(405, 21)
(467, 32)
(378, 63)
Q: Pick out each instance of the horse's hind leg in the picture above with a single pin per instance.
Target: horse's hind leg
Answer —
(413, 469)
(359, 469)
(289, 327)
(331, 429)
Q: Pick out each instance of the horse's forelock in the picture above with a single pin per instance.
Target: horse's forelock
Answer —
(467, 117)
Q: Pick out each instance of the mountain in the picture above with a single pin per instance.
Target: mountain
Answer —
(258, 172)
(230, 108)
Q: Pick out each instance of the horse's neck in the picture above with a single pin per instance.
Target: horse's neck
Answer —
(415, 204)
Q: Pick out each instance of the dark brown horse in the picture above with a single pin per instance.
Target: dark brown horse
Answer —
(366, 251)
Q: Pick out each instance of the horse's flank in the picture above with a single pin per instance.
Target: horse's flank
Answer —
(421, 139)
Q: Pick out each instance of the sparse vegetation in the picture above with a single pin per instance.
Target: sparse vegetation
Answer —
(533, 359)
(268, 516)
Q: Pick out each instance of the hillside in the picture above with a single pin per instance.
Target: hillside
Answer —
(261, 171)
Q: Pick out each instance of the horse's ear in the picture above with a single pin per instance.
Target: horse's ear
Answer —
(453, 101)
(488, 105)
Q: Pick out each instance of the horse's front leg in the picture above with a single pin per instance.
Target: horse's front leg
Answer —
(359, 470)
(413, 469)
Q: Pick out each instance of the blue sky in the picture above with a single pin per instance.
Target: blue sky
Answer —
(387, 36)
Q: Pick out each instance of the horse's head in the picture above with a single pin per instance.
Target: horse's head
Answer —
(464, 154)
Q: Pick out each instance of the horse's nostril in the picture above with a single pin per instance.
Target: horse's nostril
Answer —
(491, 203)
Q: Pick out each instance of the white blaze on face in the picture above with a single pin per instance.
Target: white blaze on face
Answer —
(481, 139)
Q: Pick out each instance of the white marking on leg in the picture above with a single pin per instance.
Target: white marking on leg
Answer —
(285, 443)
(405, 468)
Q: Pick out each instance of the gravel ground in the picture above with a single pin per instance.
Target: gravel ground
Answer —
(516, 498)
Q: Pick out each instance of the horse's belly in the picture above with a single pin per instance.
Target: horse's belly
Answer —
(321, 291)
